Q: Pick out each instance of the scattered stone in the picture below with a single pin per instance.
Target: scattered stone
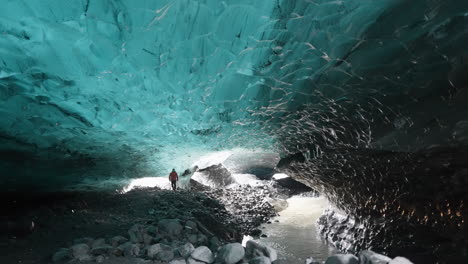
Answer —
(192, 238)
(147, 239)
(230, 253)
(117, 241)
(178, 261)
(214, 243)
(185, 250)
(99, 259)
(370, 257)
(260, 260)
(342, 259)
(203, 254)
(166, 254)
(98, 243)
(129, 249)
(101, 250)
(190, 260)
(154, 250)
(254, 249)
(170, 226)
(61, 255)
(80, 251)
(136, 233)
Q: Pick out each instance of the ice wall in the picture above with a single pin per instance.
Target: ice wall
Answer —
(132, 87)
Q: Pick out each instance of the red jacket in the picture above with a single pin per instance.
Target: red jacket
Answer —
(173, 176)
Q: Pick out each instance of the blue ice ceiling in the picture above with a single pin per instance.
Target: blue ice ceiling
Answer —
(141, 85)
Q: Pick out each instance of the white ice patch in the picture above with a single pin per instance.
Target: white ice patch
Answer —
(160, 182)
(244, 179)
(279, 176)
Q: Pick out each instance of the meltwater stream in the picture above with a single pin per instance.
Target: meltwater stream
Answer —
(295, 236)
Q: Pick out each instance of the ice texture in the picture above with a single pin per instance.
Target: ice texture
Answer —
(142, 86)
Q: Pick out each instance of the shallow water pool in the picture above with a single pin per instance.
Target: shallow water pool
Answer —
(295, 236)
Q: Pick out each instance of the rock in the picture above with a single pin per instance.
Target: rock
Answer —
(203, 254)
(136, 233)
(117, 240)
(99, 259)
(152, 230)
(254, 249)
(61, 255)
(190, 260)
(185, 250)
(153, 251)
(147, 239)
(178, 261)
(202, 239)
(129, 249)
(116, 251)
(260, 260)
(80, 251)
(230, 253)
(98, 242)
(342, 259)
(100, 250)
(166, 254)
(370, 257)
(192, 238)
(400, 260)
(191, 224)
(214, 243)
(170, 226)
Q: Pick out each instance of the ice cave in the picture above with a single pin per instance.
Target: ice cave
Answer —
(233, 131)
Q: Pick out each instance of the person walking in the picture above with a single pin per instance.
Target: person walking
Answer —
(173, 177)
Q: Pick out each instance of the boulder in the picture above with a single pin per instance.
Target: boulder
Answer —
(370, 257)
(185, 250)
(342, 259)
(230, 253)
(81, 252)
(260, 260)
(136, 233)
(190, 260)
(100, 250)
(166, 254)
(254, 249)
(178, 261)
(191, 224)
(192, 238)
(203, 254)
(153, 251)
(61, 255)
(147, 239)
(117, 241)
(99, 259)
(98, 242)
(170, 226)
(214, 243)
(400, 260)
(129, 249)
